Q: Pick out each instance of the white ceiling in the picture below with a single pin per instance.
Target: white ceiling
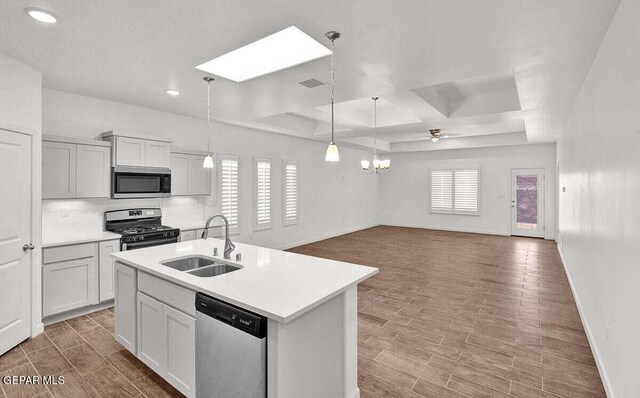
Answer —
(472, 68)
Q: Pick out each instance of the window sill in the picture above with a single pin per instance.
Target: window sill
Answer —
(456, 213)
(261, 227)
(288, 223)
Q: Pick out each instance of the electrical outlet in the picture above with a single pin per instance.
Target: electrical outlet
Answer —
(65, 212)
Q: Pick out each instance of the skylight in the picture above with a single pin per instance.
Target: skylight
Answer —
(281, 50)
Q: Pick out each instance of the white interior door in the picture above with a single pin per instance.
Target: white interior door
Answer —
(15, 238)
(527, 202)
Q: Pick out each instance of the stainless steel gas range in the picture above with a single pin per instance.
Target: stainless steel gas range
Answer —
(140, 228)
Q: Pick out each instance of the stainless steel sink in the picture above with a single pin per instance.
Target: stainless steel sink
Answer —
(189, 263)
(200, 266)
(214, 270)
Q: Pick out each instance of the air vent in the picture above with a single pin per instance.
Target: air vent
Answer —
(312, 83)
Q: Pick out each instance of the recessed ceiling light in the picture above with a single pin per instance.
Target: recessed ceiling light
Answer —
(41, 15)
(281, 50)
(172, 92)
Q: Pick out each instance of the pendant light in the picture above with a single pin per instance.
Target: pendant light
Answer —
(332, 154)
(379, 166)
(208, 160)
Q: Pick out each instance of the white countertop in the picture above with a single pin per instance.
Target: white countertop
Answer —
(62, 238)
(272, 283)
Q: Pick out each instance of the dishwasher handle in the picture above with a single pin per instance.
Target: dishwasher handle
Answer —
(236, 317)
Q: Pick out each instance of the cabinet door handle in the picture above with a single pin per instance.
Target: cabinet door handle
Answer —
(28, 246)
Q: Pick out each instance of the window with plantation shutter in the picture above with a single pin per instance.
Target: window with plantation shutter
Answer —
(262, 194)
(290, 193)
(229, 189)
(454, 191)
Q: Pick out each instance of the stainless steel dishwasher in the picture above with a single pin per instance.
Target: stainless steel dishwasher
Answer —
(231, 351)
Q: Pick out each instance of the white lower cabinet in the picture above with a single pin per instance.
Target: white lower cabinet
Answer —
(167, 343)
(180, 341)
(151, 342)
(126, 286)
(165, 336)
(69, 278)
(68, 285)
(106, 267)
(76, 276)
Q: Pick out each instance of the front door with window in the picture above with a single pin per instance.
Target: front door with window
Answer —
(527, 202)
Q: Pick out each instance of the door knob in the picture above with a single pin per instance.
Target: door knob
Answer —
(28, 246)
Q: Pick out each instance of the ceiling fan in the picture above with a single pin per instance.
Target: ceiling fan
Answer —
(436, 135)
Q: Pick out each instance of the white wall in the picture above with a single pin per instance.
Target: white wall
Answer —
(21, 111)
(599, 162)
(20, 97)
(333, 198)
(405, 188)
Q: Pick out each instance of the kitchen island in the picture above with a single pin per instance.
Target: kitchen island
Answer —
(310, 303)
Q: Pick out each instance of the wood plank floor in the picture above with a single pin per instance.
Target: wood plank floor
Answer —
(464, 315)
(449, 315)
(84, 351)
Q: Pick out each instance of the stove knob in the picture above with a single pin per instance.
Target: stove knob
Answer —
(142, 238)
(164, 234)
(133, 238)
(172, 234)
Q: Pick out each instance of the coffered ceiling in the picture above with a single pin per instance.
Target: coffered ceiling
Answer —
(486, 72)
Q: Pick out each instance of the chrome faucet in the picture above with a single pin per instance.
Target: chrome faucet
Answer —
(228, 245)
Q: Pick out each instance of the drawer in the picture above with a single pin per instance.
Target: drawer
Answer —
(169, 293)
(70, 252)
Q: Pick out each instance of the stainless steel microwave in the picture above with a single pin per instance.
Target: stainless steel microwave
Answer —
(140, 182)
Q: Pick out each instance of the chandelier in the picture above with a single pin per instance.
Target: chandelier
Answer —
(379, 166)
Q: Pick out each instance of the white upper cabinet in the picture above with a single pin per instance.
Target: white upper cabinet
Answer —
(58, 170)
(199, 177)
(92, 171)
(129, 151)
(75, 168)
(188, 177)
(134, 149)
(179, 174)
(157, 154)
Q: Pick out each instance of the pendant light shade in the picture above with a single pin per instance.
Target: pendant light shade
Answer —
(332, 155)
(208, 160)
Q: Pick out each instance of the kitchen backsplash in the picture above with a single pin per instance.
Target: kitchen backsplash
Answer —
(88, 215)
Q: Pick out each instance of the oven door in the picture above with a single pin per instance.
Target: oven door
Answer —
(140, 182)
(148, 243)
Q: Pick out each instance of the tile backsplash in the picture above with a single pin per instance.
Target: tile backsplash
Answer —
(87, 216)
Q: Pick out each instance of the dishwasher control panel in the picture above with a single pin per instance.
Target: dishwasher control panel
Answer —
(232, 315)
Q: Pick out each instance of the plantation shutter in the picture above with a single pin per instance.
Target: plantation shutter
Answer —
(263, 192)
(291, 191)
(229, 189)
(466, 190)
(441, 190)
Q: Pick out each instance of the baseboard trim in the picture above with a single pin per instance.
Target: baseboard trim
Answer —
(63, 316)
(468, 231)
(324, 237)
(594, 348)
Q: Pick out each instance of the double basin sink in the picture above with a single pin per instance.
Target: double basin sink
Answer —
(200, 266)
